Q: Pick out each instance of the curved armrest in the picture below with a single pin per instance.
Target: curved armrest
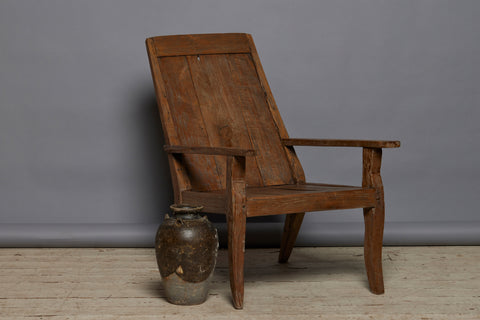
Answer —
(213, 151)
(341, 143)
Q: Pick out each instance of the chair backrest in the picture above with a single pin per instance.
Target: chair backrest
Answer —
(212, 91)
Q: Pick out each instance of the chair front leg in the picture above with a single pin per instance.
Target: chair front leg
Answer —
(374, 219)
(236, 223)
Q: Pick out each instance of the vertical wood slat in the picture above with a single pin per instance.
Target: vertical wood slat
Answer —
(264, 136)
(295, 165)
(188, 122)
(223, 122)
(180, 180)
(236, 105)
(225, 102)
(235, 112)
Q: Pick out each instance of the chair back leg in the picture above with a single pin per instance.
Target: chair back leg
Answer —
(293, 222)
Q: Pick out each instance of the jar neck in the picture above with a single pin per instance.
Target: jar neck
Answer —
(186, 215)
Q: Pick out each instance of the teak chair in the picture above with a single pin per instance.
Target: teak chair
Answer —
(229, 151)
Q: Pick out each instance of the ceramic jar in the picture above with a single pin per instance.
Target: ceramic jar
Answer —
(186, 247)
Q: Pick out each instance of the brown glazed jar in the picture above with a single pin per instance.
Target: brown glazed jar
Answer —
(186, 248)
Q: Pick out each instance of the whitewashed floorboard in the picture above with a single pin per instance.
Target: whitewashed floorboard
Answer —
(317, 283)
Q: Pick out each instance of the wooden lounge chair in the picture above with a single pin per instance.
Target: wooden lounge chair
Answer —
(229, 151)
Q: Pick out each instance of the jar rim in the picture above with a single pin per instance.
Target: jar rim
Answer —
(184, 207)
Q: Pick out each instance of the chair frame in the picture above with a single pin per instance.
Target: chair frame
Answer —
(238, 200)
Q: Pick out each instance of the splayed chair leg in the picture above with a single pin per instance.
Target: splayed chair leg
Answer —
(293, 222)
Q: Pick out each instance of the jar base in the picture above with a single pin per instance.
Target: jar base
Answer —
(181, 292)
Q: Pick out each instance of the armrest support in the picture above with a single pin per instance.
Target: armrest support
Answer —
(341, 143)
(235, 173)
(214, 151)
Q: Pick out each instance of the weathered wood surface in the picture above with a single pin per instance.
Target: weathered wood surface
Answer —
(217, 100)
(210, 151)
(341, 143)
(306, 198)
(215, 103)
(289, 198)
(180, 179)
(94, 284)
(181, 45)
(182, 108)
(212, 201)
(292, 225)
(296, 167)
(236, 224)
(374, 219)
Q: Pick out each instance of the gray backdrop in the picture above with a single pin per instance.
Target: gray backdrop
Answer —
(81, 160)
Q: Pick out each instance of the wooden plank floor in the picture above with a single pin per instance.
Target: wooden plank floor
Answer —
(318, 283)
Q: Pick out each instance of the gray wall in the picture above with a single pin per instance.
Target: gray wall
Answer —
(81, 161)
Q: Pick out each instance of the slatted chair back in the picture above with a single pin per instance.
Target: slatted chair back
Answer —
(212, 91)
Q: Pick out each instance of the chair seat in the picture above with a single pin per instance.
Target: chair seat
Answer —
(288, 198)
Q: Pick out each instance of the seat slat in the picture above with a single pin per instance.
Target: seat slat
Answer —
(258, 193)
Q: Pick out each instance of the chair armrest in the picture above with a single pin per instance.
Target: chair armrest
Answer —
(341, 143)
(214, 151)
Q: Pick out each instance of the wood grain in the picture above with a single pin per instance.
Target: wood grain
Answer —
(230, 152)
(213, 201)
(200, 44)
(179, 177)
(186, 121)
(222, 116)
(292, 225)
(271, 201)
(295, 165)
(286, 198)
(341, 143)
(236, 224)
(250, 98)
(223, 151)
(374, 219)
(318, 283)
